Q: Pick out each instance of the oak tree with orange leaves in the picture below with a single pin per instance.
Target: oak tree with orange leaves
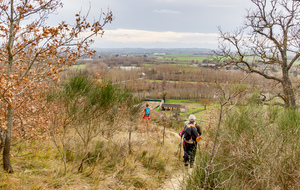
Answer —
(32, 53)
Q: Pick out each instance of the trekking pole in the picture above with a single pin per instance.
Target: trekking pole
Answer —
(179, 147)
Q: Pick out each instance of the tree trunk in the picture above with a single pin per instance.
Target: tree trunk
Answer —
(289, 94)
(7, 143)
(1, 139)
(10, 110)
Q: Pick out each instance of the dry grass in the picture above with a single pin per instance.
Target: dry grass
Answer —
(109, 165)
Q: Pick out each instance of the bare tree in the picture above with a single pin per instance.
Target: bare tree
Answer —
(268, 44)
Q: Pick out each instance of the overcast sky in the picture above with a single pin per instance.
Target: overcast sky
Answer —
(160, 23)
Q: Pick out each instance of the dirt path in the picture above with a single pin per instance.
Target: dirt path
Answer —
(176, 181)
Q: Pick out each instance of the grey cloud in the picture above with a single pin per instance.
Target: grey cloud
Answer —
(166, 11)
(190, 16)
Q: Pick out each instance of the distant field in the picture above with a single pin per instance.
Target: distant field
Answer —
(78, 66)
(186, 57)
(171, 101)
(147, 65)
(192, 108)
(175, 65)
(195, 58)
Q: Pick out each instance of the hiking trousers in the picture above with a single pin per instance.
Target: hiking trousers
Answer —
(189, 152)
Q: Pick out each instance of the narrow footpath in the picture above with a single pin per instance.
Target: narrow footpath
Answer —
(177, 179)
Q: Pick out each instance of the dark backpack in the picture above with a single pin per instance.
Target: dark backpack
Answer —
(188, 137)
(147, 111)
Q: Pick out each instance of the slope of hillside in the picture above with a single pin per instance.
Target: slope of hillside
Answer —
(131, 158)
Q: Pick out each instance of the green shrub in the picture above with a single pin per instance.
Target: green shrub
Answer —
(261, 146)
(198, 176)
(176, 125)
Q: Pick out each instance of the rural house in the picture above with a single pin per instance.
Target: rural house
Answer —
(173, 107)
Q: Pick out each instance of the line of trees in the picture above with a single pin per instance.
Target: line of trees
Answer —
(179, 82)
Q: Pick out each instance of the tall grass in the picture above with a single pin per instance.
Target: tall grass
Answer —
(91, 152)
(108, 164)
(259, 148)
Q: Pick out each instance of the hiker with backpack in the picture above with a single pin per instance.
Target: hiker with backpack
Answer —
(147, 112)
(191, 134)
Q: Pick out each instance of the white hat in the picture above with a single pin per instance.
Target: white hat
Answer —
(192, 117)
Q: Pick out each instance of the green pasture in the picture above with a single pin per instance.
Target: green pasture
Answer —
(199, 58)
(192, 108)
(186, 57)
(78, 66)
(195, 109)
(188, 65)
(147, 65)
(171, 101)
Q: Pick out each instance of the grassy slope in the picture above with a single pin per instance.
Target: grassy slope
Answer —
(148, 166)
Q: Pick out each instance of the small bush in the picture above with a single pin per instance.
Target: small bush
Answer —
(175, 125)
(98, 152)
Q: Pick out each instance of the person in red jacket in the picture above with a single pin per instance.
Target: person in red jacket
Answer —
(147, 112)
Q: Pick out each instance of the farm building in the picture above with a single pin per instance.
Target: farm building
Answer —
(173, 107)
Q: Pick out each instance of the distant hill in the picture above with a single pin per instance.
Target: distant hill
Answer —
(153, 50)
